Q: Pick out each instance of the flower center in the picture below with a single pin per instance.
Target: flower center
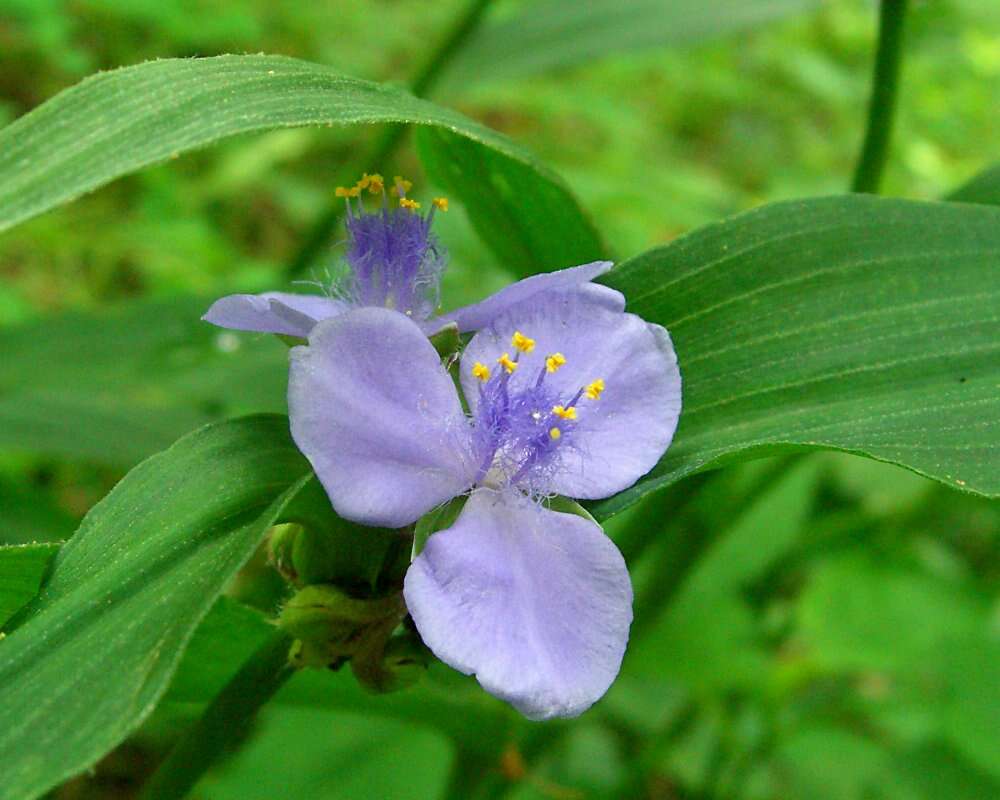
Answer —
(521, 430)
(394, 260)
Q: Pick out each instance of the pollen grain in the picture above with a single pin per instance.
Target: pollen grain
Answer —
(564, 413)
(554, 361)
(506, 362)
(521, 342)
(594, 389)
(481, 371)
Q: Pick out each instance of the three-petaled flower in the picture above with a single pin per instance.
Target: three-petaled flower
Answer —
(567, 395)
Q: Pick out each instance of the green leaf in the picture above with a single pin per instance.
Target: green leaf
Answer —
(531, 226)
(22, 568)
(116, 386)
(318, 753)
(829, 763)
(563, 33)
(31, 513)
(455, 705)
(97, 647)
(708, 636)
(971, 712)
(851, 323)
(858, 614)
(983, 188)
(117, 122)
(937, 772)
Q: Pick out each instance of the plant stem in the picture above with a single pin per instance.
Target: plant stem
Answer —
(390, 138)
(882, 106)
(225, 722)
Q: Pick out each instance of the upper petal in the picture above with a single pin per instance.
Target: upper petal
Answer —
(535, 603)
(620, 436)
(273, 312)
(479, 315)
(378, 417)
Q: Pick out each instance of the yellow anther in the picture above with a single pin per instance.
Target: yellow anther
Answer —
(441, 203)
(406, 202)
(521, 342)
(564, 413)
(506, 362)
(343, 191)
(376, 183)
(402, 186)
(481, 371)
(554, 361)
(554, 433)
(594, 389)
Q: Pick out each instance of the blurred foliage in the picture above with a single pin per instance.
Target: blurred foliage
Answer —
(822, 627)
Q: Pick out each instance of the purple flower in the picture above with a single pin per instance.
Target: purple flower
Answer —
(567, 395)
(393, 261)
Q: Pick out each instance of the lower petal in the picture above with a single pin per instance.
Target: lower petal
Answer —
(273, 312)
(535, 603)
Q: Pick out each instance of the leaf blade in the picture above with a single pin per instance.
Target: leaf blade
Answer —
(22, 568)
(106, 126)
(853, 323)
(127, 592)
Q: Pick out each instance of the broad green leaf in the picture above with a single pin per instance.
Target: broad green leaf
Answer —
(830, 763)
(333, 755)
(117, 122)
(22, 568)
(222, 643)
(528, 224)
(851, 323)
(857, 614)
(934, 637)
(30, 513)
(116, 386)
(455, 706)
(708, 636)
(564, 33)
(983, 188)
(96, 648)
(938, 772)
(971, 713)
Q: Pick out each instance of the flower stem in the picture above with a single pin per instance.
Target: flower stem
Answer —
(225, 722)
(882, 105)
(383, 147)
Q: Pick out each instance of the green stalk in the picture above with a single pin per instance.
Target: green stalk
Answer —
(225, 722)
(387, 143)
(882, 106)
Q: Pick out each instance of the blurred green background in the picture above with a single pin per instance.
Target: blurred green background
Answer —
(818, 627)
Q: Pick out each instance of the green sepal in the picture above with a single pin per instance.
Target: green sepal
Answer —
(567, 506)
(280, 545)
(327, 549)
(437, 519)
(292, 341)
(447, 341)
(331, 626)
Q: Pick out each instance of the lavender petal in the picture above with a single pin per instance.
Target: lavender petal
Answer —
(378, 417)
(620, 436)
(273, 312)
(535, 603)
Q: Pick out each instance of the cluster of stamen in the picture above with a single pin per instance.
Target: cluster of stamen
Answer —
(394, 259)
(375, 184)
(519, 430)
